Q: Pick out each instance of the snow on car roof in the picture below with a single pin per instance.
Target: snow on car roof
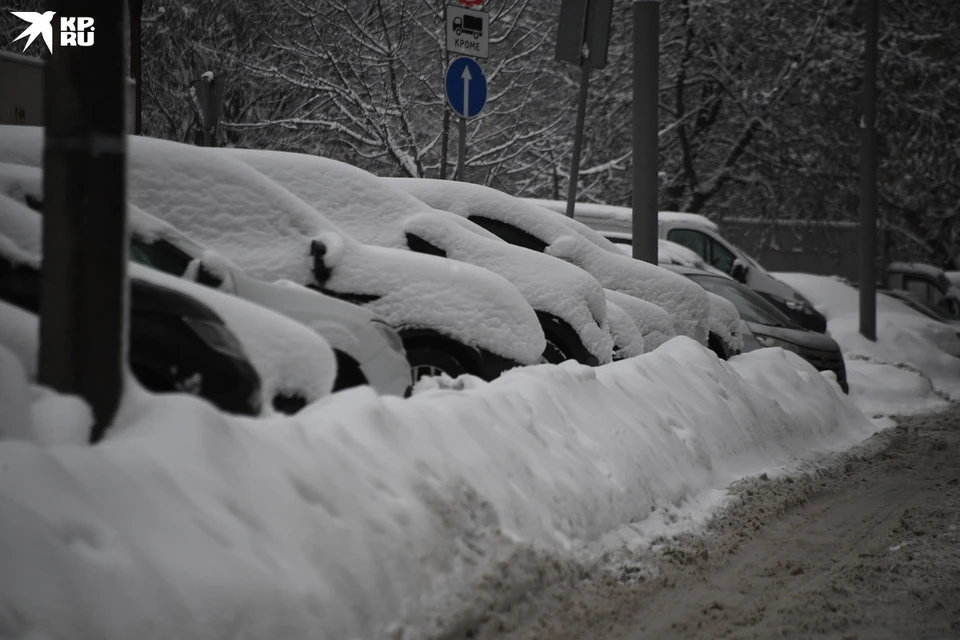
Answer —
(688, 305)
(620, 217)
(377, 212)
(654, 323)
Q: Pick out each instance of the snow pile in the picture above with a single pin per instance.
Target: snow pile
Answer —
(654, 323)
(372, 211)
(686, 302)
(908, 369)
(626, 334)
(367, 517)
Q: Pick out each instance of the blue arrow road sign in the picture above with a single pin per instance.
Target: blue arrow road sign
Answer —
(466, 87)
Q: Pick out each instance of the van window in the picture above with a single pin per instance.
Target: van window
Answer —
(721, 257)
(693, 240)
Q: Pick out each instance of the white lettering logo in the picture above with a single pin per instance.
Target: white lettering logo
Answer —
(74, 31)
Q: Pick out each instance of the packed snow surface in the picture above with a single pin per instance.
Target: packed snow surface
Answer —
(686, 302)
(654, 323)
(909, 368)
(367, 517)
(626, 334)
(267, 231)
(373, 211)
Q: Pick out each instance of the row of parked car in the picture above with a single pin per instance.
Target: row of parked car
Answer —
(267, 279)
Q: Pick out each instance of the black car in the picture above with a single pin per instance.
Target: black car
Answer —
(771, 327)
(176, 343)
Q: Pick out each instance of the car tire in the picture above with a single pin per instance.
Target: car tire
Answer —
(715, 344)
(553, 354)
(349, 374)
(426, 360)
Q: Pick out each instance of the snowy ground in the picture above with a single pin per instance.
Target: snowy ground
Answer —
(368, 517)
(908, 370)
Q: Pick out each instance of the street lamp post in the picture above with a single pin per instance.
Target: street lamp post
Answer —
(868, 179)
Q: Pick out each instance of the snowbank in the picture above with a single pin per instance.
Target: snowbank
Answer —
(366, 517)
(685, 301)
(908, 369)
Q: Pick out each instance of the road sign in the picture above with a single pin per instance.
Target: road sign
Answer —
(583, 33)
(466, 87)
(468, 31)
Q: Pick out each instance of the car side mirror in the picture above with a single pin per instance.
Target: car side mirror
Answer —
(318, 251)
(740, 271)
(208, 277)
(951, 306)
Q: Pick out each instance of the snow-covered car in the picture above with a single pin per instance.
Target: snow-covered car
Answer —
(569, 302)
(627, 339)
(452, 317)
(654, 324)
(926, 283)
(527, 225)
(367, 349)
(770, 327)
(702, 236)
(295, 365)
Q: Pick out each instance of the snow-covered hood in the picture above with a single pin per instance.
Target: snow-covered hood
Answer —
(626, 334)
(375, 212)
(685, 301)
(654, 323)
(288, 356)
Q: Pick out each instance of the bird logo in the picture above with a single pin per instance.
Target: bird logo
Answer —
(40, 25)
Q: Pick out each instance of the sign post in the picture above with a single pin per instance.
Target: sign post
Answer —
(868, 179)
(646, 121)
(582, 38)
(465, 86)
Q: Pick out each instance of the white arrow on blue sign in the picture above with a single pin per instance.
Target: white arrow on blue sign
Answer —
(466, 87)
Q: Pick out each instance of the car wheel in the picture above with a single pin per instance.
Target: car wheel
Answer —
(289, 403)
(554, 354)
(349, 374)
(430, 361)
(715, 344)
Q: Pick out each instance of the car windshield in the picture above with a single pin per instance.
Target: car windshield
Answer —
(750, 305)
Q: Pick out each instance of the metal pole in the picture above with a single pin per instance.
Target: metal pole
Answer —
(868, 179)
(462, 151)
(646, 52)
(136, 57)
(578, 136)
(444, 142)
(84, 274)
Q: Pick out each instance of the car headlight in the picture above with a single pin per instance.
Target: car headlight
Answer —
(391, 336)
(792, 304)
(770, 341)
(216, 336)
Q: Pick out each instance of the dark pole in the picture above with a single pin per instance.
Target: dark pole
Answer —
(462, 151)
(578, 136)
(136, 12)
(84, 278)
(646, 52)
(868, 179)
(444, 142)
